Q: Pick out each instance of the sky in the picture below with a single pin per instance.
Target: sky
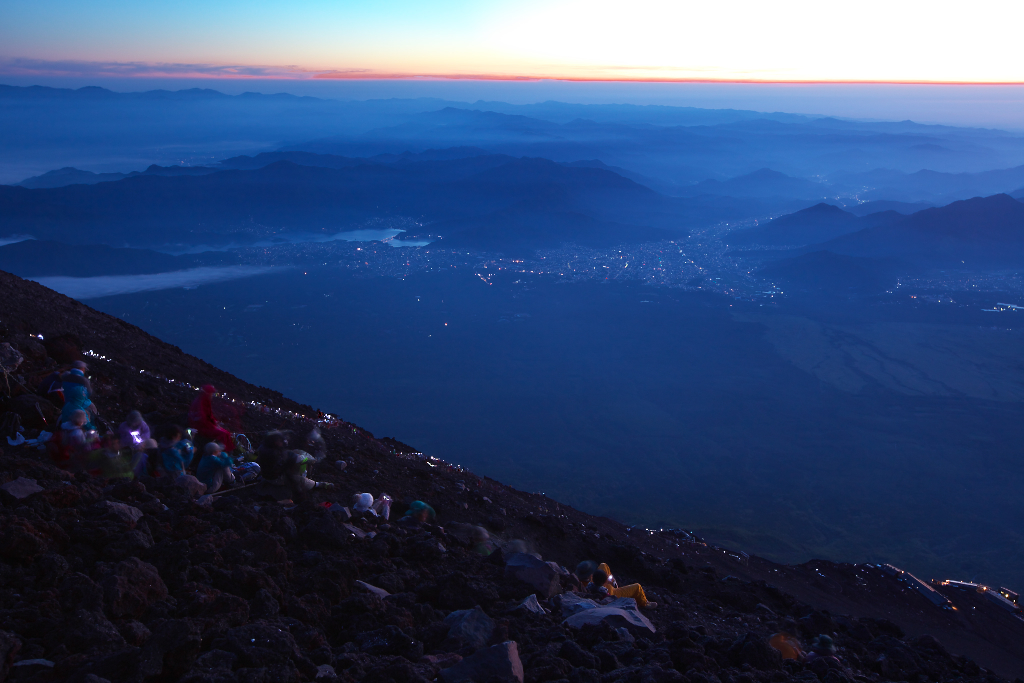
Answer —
(727, 40)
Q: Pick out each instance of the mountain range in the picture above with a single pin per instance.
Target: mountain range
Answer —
(245, 205)
(815, 224)
(983, 232)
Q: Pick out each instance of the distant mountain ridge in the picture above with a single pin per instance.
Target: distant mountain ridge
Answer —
(763, 182)
(982, 232)
(932, 186)
(246, 205)
(42, 258)
(73, 176)
(816, 224)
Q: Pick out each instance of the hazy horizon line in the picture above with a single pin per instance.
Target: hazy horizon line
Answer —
(26, 68)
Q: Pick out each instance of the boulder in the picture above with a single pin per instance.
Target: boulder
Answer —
(379, 592)
(536, 573)
(471, 627)
(27, 668)
(573, 603)
(530, 604)
(120, 512)
(10, 358)
(130, 587)
(192, 486)
(22, 487)
(621, 612)
(495, 663)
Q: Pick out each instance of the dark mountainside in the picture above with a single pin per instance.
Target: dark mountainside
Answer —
(905, 208)
(761, 183)
(40, 258)
(984, 232)
(245, 205)
(138, 582)
(815, 224)
(933, 186)
(73, 176)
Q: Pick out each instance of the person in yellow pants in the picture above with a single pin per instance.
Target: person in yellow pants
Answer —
(604, 583)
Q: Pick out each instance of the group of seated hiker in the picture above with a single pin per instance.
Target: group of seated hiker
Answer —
(131, 451)
(597, 579)
(204, 451)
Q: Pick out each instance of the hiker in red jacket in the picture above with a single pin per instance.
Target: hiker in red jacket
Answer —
(201, 418)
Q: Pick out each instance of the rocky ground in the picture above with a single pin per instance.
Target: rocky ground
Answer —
(140, 582)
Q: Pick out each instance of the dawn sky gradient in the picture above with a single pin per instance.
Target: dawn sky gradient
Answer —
(788, 40)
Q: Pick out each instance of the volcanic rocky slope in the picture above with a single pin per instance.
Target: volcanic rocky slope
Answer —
(138, 581)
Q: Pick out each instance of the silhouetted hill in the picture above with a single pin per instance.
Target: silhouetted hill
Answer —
(69, 176)
(905, 208)
(761, 183)
(246, 205)
(935, 187)
(73, 176)
(815, 224)
(40, 258)
(96, 93)
(979, 232)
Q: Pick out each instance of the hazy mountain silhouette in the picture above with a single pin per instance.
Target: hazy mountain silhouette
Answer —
(761, 183)
(979, 232)
(905, 208)
(815, 224)
(73, 176)
(337, 161)
(40, 258)
(237, 205)
(933, 186)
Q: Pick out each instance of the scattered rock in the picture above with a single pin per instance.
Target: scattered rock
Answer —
(120, 511)
(192, 487)
(10, 358)
(379, 592)
(471, 627)
(534, 572)
(621, 612)
(495, 663)
(531, 604)
(130, 587)
(22, 487)
(573, 603)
